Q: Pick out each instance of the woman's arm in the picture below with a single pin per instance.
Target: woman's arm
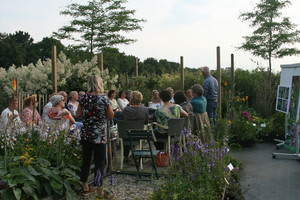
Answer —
(183, 113)
(109, 112)
(79, 111)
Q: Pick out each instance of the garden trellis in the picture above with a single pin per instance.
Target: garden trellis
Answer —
(288, 102)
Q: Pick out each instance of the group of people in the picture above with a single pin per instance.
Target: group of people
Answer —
(93, 109)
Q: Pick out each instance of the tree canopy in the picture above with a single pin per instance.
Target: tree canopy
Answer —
(273, 34)
(99, 24)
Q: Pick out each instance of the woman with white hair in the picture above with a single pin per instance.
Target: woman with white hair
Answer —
(59, 118)
(95, 110)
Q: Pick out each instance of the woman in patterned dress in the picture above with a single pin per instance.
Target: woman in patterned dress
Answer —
(95, 110)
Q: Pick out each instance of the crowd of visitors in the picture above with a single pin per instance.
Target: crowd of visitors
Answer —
(91, 111)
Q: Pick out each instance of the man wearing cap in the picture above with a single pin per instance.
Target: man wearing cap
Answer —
(210, 86)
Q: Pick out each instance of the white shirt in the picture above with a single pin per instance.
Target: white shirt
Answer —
(45, 111)
(122, 103)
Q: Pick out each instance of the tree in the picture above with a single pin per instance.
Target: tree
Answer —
(99, 24)
(17, 49)
(273, 34)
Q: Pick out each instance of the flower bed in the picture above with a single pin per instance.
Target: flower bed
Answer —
(33, 167)
(202, 172)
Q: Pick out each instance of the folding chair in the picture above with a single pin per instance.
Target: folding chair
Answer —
(175, 126)
(123, 127)
(136, 136)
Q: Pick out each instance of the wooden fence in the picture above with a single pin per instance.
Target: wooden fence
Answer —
(42, 100)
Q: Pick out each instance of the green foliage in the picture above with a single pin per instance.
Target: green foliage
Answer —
(35, 167)
(273, 33)
(197, 174)
(242, 132)
(99, 23)
(16, 49)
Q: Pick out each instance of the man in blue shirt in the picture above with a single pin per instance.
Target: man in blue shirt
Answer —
(210, 85)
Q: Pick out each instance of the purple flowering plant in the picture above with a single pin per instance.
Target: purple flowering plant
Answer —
(197, 170)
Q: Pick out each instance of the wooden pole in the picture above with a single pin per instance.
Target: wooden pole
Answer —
(219, 82)
(182, 73)
(54, 73)
(232, 75)
(136, 72)
(136, 67)
(100, 62)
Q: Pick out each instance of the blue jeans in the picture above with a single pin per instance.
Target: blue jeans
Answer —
(211, 109)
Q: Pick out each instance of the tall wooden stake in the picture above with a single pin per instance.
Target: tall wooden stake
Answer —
(54, 73)
(136, 67)
(232, 75)
(182, 73)
(219, 82)
(136, 72)
(100, 62)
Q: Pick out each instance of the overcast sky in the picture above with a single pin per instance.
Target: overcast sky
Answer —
(174, 28)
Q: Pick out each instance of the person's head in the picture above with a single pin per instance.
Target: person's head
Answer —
(81, 93)
(73, 96)
(111, 94)
(136, 98)
(197, 90)
(95, 84)
(64, 94)
(165, 96)
(122, 94)
(155, 93)
(179, 97)
(128, 94)
(189, 93)
(30, 101)
(13, 102)
(171, 91)
(57, 101)
(205, 71)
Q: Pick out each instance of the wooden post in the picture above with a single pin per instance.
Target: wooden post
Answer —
(136, 72)
(232, 75)
(100, 62)
(136, 67)
(219, 82)
(182, 73)
(54, 74)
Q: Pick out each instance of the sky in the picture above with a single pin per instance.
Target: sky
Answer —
(189, 28)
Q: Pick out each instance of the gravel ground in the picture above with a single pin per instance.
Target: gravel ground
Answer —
(125, 187)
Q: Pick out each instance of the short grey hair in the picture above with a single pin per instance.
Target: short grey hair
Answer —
(205, 69)
(56, 99)
(198, 90)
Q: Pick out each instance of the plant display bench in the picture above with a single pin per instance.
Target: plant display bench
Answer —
(288, 102)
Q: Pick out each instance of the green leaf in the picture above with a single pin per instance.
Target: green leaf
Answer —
(56, 185)
(17, 193)
(28, 189)
(3, 172)
(33, 171)
(43, 162)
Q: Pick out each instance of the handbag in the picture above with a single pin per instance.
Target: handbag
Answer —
(162, 159)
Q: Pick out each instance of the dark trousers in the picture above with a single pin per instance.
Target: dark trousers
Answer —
(211, 109)
(99, 151)
(160, 145)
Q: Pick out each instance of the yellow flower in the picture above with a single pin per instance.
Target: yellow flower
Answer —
(22, 157)
(243, 99)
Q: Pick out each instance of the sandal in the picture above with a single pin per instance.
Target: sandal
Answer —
(90, 190)
(103, 194)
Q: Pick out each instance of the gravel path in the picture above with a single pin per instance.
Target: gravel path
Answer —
(125, 187)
